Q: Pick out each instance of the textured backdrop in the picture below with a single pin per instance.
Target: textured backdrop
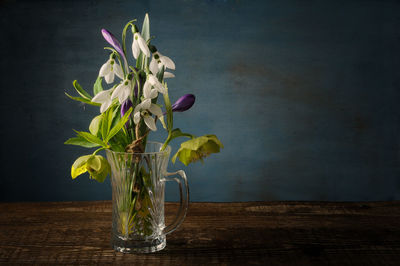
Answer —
(303, 94)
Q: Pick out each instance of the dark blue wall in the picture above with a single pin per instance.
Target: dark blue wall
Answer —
(304, 95)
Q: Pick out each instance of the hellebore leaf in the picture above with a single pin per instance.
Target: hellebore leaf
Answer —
(197, 149)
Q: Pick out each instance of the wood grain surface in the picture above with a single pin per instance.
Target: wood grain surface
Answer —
(250, 233)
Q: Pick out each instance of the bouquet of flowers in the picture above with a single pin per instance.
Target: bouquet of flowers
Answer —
(136, 98)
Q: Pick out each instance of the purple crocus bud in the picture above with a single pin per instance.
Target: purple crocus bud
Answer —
(125, 107)
(110, 38)
(183, 103)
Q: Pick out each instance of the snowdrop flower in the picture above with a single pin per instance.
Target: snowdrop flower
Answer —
(149, 92)
(158, 60)
(122, 91)
(139, 44)
(109, 70)
(104, 98)
(152, 81)
(143, 109)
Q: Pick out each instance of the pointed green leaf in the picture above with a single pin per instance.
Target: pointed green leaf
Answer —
(119, 125)
(104, 124)
(84, 100)
(89, 137)
(98, 87)
(81, 91)
(80, 141)
(95, 125)
(146, 28)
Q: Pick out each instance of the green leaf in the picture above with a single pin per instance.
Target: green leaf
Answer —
(119, 125)
(146, 28)
(95, 125)
(113, 118)
(119, 142)
(89, 137)
(80, 141)
(81, 91)
(81, 99)
(197, 149)
(98, 87)
(104, 124)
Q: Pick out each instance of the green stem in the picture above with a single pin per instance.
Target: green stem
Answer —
(99, 149)
(119, 59)
(124, 34)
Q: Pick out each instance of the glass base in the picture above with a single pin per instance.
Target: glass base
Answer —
(138, 246)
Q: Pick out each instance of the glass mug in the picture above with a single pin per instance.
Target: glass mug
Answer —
(138, 184)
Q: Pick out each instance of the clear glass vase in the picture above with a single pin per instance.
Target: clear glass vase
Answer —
(138, 183)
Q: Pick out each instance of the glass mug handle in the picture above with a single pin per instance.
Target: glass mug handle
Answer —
(184, 199)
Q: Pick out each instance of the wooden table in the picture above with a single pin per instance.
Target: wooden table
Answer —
(263, 233)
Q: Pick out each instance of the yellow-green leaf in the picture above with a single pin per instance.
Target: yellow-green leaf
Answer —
(95, 125)
(197, 149)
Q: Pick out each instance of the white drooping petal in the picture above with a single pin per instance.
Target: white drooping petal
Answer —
(148, 92)
(142, 44)
(123, 96)
(136, 117)
(155, 110)
(137, 108)
(109, 77)
(160, 88)
(153, 66)
(117, 91)
(154, 81)
(105, 105)
(150, 123)
(118, 71)
(146, 89)
(168, 75)
(153, 94)
(104, 98)
(167, 62)
(105, 69)
(101, 96)
(135, 48)
(146, 104)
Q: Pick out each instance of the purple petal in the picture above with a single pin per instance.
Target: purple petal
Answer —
(125, 107)
(113, 41)
(183, 103)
